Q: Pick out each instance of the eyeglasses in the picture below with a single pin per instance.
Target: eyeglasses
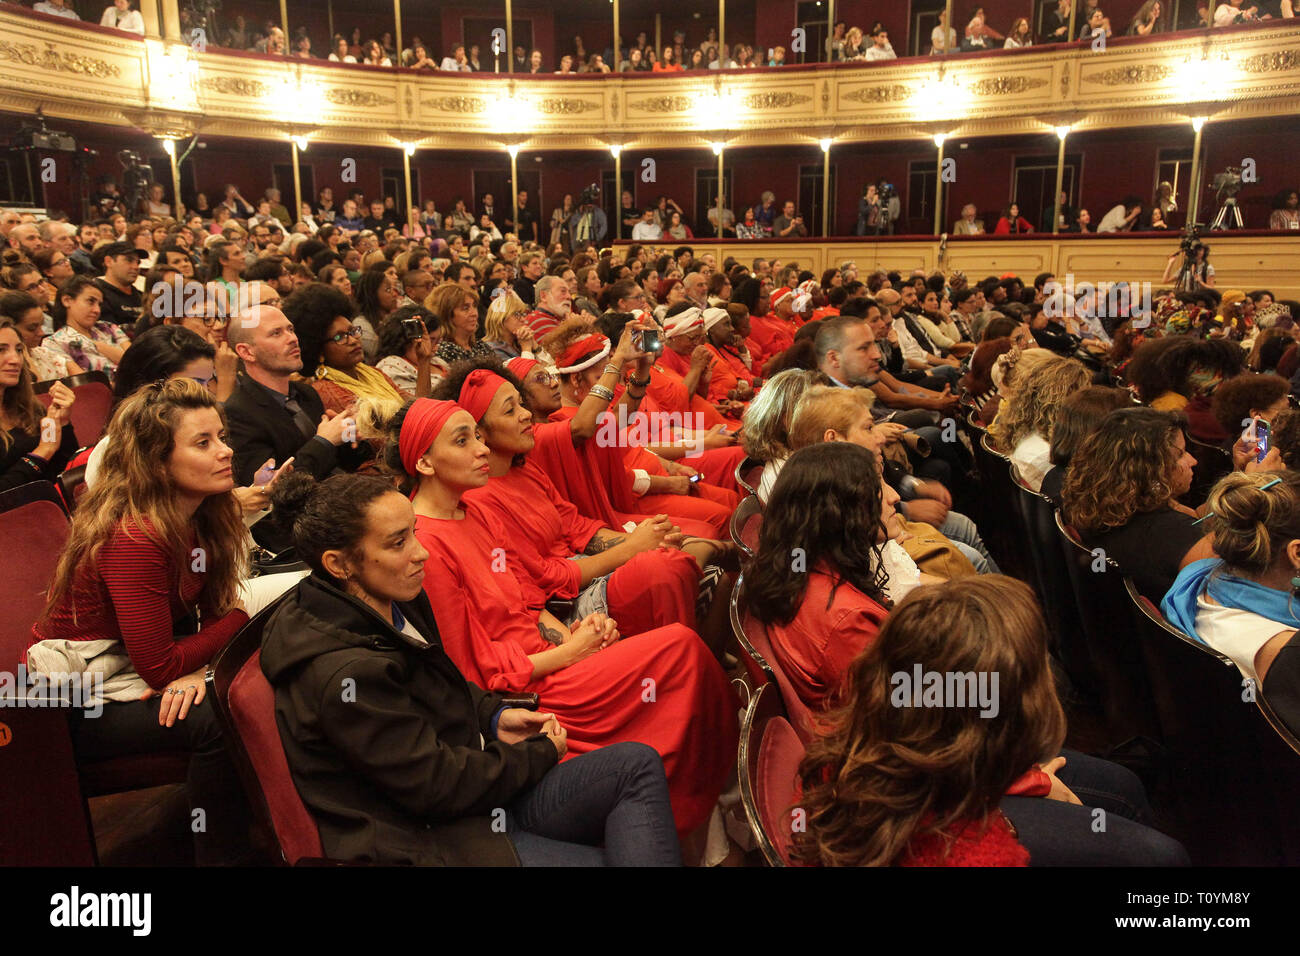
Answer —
(339, 337)
(215, 321)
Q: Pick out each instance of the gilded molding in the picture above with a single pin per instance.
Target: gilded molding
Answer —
(341, 96)
(456, 104)
(1003, 85)
(1275, 62)
(775, 101)
(235, 86)
(663, 104)
(565, 106)
(51, 59)
(1129, 75)
(409, 98)
(880, 94)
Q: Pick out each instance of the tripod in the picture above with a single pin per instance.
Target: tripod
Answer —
(1229, 207)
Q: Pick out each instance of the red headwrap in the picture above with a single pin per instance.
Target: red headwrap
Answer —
(424, 420)
(521, 367)
(481, 386)
(570, 360)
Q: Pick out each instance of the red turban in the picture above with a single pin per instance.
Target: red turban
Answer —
(481, 386)
(423, 422)
(520, 367)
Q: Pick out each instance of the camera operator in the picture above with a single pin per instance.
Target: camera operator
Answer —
(589, 223)
(789, 225)
(1197, 272)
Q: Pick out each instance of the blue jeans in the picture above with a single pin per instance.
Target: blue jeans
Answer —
(961, 531)
(615, 797)
(1066, 834)
(948, 374)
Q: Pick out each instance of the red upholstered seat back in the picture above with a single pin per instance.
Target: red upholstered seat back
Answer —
(801, 716)
(36, 533)
(251, 703)
(779, 755)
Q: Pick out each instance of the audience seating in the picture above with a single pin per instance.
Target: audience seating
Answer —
(1234, 777)
(72, 486)
(92, 408)
(756, 666)
(1051, 579)
(1212, 463)
(752, 635)
(246, 706)
(748, 473)
(44, 822)
(745, 524)
(767, 766)
(1106, 625)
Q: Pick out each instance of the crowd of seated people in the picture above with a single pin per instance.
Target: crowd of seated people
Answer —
(640, 55)
(509, 468)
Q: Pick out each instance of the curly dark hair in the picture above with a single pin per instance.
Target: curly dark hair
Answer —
(1234, 399)
(312, 309)
(1123, 468)
(1165, 364)
(329, 515)
(827, 504)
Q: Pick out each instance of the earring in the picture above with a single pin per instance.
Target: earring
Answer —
(321, 371)
(1295, 585)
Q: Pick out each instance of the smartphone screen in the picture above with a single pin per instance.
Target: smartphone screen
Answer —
(1261, 436)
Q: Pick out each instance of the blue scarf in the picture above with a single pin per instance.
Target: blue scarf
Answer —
(1206, 577)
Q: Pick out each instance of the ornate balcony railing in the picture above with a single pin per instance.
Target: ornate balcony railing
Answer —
(167, 88)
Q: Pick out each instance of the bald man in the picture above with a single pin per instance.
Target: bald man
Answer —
(272, 418)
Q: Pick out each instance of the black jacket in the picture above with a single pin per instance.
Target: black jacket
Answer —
(382, 735)
(261, 428)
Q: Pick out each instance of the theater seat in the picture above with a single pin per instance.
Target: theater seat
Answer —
(92, 408)
(755, 637)
(745, 524)
(767, 767)
(246, 706)
(759, 670)
(36, 530)
(1234, 777)
(748, 473)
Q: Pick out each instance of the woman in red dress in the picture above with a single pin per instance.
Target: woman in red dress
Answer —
(635, 478)
(662, 687)
(646, 577)
(823, 610)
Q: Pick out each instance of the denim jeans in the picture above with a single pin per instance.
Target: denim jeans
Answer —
(1109, 829)
(961, 531)
(615, 797)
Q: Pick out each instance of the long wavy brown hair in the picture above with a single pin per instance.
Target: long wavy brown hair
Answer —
(135, 486)
(1124, 467)
(1031, 407)
(21, 406)
(884, 774)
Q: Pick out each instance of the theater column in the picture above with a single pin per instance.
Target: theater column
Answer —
(951, 30)
(830, 30)
(171, 20)
(1061, 133)
(1194, 187)
(617, 153)
(618, 59)
(284, 25)
(510, 38)
(297, 144)
(1069, 33)
(513, 150)
(169, 147)
(717, 151)
(397, 35)
(152, 21)
(938, 185)
(408, 150)
(827, 199)
(722, 32)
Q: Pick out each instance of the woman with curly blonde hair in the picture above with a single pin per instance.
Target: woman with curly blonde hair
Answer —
(1023, 427)
(910, 774)
(1121, 494)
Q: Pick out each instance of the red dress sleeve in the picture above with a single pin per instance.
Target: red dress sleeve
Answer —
(140, 576)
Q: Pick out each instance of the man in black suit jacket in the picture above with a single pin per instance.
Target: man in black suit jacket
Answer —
(271, 418)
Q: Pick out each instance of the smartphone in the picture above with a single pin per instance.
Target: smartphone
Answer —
(695, 478)
(1261, 436)
(647, 340)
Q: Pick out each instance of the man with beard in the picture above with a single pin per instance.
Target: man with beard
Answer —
(553, 305)
(121, 298)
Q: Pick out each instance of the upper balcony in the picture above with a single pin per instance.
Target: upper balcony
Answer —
(82, 71)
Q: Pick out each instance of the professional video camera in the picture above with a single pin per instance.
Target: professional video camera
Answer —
(137, 177)
(1226, 185)
(589, 196)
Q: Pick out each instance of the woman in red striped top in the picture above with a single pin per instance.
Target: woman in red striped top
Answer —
(151, 572)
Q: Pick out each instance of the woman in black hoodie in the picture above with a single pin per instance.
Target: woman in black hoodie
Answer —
(398, 758)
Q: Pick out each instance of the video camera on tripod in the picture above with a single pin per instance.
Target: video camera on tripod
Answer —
(137, 177)
(1226, 185)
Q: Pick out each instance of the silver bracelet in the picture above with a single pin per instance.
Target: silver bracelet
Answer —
(600, 391)
(614, 369)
